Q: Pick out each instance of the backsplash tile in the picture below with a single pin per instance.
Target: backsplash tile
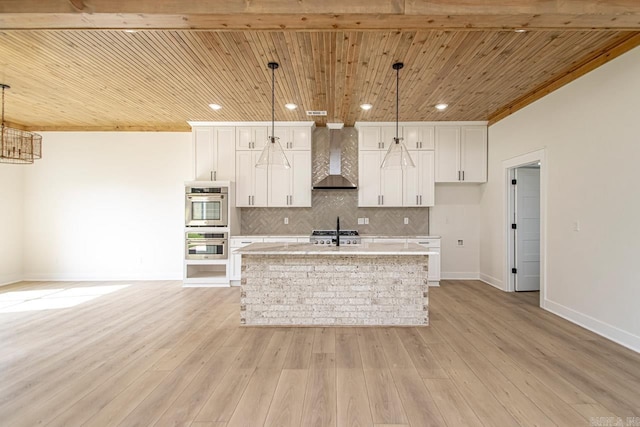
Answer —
(329, 204)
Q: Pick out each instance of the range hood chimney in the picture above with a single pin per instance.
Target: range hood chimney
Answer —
(335, 180)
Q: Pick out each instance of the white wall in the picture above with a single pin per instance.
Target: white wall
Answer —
(11, 222)
(591, 132)
(456, 216)
(106, 206)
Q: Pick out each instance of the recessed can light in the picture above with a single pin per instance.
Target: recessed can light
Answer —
(366, 106)
(215, 106)
(441, 107)
(291, 106)
(520, 30)
(130, 31)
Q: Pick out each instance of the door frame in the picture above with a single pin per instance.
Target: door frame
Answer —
(508, 166)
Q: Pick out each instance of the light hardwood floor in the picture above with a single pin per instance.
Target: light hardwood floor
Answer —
(154, 353)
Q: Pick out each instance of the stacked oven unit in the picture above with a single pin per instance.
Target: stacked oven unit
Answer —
(209, 218)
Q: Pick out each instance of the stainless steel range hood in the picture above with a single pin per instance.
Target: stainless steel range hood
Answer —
(335, 180)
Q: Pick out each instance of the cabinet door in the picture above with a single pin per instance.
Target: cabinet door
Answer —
(225, 150)
(260, 183)
(251, 137)
(391, 186)
(414, 179)
(474, 154)
(251, 182)
(300, 138)
(369, 175)
(418, 137)
(447, 153)
(387, 133)
(300, 178)
(235, 266)
(203, 152)
(244, 178)
(369, 138)
(280, 184)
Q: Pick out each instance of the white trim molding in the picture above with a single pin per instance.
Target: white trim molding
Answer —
(613, 333)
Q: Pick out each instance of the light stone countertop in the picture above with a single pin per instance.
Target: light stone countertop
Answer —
(364, 236)
(313, 249)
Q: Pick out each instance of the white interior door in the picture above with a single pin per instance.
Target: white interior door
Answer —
(527, 233)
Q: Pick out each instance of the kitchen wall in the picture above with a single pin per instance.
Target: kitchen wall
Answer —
(590, 131)
(328, 204)
(456, 216)
(11, 221)
(106, 206)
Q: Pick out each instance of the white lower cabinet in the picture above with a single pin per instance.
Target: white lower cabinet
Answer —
(434, 259)
(235, 260)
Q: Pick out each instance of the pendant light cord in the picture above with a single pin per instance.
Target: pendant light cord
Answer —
(273, 102)
(397, 101)
(3, 88)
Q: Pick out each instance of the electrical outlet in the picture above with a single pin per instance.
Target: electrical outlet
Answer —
(286, 221)
(406, 221)
(360, 221)
(366, 220)
(460, 243)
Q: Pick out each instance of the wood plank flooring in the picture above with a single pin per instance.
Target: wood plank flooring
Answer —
(153, 353)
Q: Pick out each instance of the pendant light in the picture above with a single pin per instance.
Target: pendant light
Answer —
(397, 156)
(16, 145)
(272, 154)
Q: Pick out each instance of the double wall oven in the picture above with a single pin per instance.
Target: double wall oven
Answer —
(205, 212)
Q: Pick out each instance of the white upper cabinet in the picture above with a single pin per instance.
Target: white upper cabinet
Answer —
(251, 137)
(378, 187)
(418, 137)
(473, 154)
(291, 187)
(251, 182)
(419, 182)
(461, 153)
(294, 137)
(213, 147)
(376, 137)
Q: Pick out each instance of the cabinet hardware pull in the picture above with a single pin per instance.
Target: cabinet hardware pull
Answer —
(211, 175)
(382, 198)
(463, 175)
(458, 175)
(417, 203)
(215, 175)
(421, 200)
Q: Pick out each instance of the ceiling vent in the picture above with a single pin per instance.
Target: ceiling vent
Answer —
(316, 113)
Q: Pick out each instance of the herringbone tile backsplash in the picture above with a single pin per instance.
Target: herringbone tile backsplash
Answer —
(329, 204)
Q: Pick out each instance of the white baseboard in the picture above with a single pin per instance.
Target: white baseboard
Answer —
(613, 333)
(8, 279)
(459, 275)
(490, 280)
(102, 278)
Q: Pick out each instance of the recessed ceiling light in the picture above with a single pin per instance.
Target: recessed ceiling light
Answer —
(441, 107)
(130, 31)
(366, 106)
(291, 106)
(215, 106)
(520, 30)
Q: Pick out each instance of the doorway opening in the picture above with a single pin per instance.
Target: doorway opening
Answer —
(525, 229)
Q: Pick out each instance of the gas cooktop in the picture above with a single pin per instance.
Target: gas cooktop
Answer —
(328, 237)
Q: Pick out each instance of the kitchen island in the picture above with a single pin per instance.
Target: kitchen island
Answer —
(306, 284)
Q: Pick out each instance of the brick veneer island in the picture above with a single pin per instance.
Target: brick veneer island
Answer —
(306, 284)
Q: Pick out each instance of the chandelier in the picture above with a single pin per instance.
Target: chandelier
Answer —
(16, 145)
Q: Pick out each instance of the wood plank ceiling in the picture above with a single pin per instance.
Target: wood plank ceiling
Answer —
(160, 79)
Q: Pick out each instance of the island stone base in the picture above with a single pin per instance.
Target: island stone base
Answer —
(334, 290)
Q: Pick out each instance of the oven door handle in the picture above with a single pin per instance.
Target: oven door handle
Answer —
(199, 198)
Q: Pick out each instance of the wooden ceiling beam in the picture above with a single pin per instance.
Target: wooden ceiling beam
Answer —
(328, 15)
